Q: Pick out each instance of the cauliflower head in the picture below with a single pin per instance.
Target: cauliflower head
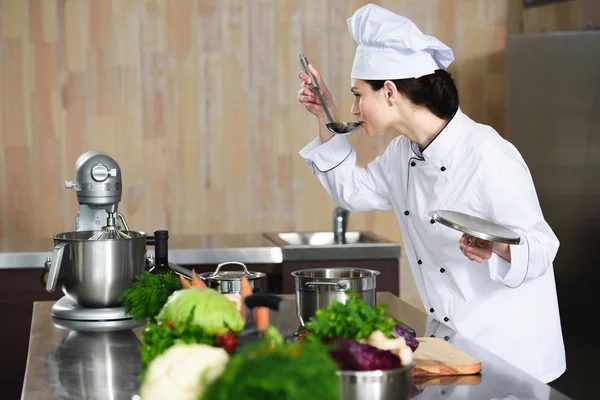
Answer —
(183, 372)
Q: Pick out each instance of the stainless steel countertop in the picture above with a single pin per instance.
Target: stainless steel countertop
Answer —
(251, 248)
(68, 364)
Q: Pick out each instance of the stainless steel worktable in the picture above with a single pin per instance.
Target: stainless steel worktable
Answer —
(76, 365)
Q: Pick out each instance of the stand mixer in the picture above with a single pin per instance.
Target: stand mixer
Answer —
(95, 263)
(99, 187)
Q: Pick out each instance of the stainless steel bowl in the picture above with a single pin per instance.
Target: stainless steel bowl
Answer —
(319, 287)
(94, 273)
(394, 384)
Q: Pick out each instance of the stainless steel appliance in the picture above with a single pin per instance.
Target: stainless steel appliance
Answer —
(94, 273)
(98, 185)
(96, 263)
(554, 121)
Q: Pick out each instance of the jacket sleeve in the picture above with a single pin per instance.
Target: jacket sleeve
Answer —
(510, 199)
(350, 186)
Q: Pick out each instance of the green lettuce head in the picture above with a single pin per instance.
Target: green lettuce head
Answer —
(213, 312)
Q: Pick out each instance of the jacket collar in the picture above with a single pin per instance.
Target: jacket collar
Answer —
(441, 148)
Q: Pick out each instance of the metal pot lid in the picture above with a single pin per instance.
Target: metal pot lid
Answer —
(475, 226)
(218, 275)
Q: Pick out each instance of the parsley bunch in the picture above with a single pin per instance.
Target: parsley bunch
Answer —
(148, 294)
(354, 319)
(290, 371)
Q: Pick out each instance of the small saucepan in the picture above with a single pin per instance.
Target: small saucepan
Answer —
(230, 282)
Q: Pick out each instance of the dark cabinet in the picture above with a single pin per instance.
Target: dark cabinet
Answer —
(19, 289)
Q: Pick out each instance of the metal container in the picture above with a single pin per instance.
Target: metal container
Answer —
(94, 273)
(394, 384)
(230, 282)
(317, 288)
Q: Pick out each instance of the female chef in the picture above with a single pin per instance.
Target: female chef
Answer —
(502, 297)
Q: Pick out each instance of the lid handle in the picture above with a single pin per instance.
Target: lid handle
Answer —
(230, 262)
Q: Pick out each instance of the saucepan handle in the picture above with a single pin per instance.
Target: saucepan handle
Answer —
(263, 300)
(57, 256)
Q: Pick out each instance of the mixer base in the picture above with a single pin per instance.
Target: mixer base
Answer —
(69, 315)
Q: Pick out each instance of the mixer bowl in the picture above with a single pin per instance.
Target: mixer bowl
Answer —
(94, 273)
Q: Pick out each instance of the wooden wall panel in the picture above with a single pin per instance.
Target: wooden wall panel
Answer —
(196, 100)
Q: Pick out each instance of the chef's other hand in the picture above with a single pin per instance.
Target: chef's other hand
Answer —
(309, 99)
(481, 249)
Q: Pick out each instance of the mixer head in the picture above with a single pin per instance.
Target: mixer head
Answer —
(97, 181)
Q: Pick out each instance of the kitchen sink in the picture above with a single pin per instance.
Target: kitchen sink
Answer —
(321, 245)
(324, 238)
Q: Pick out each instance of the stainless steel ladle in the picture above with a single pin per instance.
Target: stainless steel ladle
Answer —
(339, 128)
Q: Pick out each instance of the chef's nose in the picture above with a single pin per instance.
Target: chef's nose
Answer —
(354, 109)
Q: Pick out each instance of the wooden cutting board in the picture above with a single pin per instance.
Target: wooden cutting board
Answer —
(435, 357)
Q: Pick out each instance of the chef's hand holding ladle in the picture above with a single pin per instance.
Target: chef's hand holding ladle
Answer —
(317, 99)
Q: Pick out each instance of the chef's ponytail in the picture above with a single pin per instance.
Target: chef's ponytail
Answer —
(436, 92)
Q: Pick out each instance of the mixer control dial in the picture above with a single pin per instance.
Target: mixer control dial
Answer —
(99, 172)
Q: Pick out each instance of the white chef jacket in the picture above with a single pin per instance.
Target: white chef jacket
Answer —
(511, 309)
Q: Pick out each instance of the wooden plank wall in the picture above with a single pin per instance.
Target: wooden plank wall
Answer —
(196, 100)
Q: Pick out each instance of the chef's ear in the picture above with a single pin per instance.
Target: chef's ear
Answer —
(390, 92)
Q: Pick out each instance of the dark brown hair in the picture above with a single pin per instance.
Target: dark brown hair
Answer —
(436, 92)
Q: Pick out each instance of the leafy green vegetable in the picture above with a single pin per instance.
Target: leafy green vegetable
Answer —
(263, 371)
(354, 319)
(158, 337)
(273, 334)
(148, 293)
(212, 311)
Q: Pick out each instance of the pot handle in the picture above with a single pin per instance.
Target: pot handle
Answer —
(342, 284)
(231, 262)
(263, 300)
(57, 256)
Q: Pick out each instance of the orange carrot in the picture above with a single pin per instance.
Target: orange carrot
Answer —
(261, 318)
(197, 281)
(184, 282)
(245, 290)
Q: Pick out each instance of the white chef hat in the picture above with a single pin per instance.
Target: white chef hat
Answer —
(391, 46)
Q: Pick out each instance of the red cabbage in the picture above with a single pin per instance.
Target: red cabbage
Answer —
(411, 341)
(351, 355)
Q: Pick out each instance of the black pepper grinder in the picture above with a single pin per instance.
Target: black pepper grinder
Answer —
(161, 251)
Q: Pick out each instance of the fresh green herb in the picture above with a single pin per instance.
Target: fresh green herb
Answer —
(264, 371)
(354, 319)
(148, 294)
(158, 337)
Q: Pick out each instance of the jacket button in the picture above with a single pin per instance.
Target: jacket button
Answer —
(406, 212)
(446, 338)
(431, 310)
(446, 319)
(412, 164)
(442, 270)
(432, 221)
(419, 262)
(443, 169)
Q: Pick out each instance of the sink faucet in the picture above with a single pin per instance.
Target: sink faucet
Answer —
(340, 222)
